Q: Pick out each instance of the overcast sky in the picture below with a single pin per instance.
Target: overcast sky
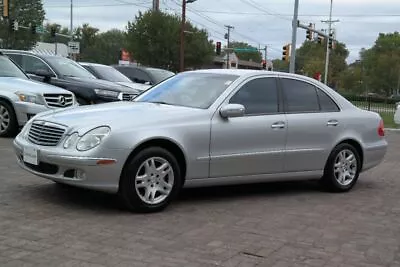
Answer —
(258, 22)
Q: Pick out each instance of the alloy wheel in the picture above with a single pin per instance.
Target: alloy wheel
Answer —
(4, 119)
(345, 167)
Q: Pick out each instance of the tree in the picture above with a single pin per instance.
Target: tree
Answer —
(26, 12)
(46, 37)
(280, 65)
(86, 36)
(382, 64)
(153, 40)
(310, 59)
(249, 56)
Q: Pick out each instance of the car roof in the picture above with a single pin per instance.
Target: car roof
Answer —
(92, 64)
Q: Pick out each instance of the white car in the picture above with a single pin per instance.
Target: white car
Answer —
(22, 98)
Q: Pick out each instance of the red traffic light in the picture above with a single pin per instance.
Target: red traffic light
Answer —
(218, 48)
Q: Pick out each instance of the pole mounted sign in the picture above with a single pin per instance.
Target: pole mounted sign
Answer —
(73, 47)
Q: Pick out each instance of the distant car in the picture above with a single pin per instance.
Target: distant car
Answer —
(21, 98)
(144, 75)
(207, 127)
(68, 74)
(111, 74)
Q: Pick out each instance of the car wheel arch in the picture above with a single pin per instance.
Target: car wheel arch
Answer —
(170, 145)
(357, 145)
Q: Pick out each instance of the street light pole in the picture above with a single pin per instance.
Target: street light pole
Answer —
(327, 45)
(294, 37)
(71, 25)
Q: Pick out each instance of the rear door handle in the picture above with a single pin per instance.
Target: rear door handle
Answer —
(279, 124)
(332, 123)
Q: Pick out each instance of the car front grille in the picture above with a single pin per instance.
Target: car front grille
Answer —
(45, 133)
(128, 97)
(59, 100)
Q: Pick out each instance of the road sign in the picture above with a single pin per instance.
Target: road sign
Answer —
(73, 47)
(250, 49)
(39, 29)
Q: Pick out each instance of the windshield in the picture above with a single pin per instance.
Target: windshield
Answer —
(9, 69)
(197, 90)
(110, 74)
(68, 67)
(159, 74)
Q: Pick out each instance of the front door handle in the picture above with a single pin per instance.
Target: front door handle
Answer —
(279, 124)
(332, 123)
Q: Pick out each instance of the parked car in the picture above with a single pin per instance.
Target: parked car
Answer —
(22, 98)
(68, 74)
(111, 74)
(208, 127)
(144, 75)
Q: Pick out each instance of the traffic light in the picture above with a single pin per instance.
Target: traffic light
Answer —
(5, 8)
(218, 48)
(13, 25)
(330, 40)
(320, 39)
(309, 35)
(264, 65)
(53, 32)
(33, 29)
(285, 53)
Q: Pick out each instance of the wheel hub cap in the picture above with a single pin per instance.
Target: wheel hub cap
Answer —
(4, 119)
(154, 180)
(345, 167)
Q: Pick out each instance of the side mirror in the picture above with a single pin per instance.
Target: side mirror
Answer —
(232, 110)
(43, 73)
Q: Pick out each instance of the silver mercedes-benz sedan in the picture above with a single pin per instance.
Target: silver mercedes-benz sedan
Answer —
(204, 128)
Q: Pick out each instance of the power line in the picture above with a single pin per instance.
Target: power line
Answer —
(257, 6)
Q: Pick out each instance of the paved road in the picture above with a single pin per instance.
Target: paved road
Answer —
(291, 224)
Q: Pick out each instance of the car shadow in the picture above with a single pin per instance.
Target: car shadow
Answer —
(70, 197)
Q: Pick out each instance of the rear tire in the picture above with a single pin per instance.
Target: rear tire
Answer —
(150, 180)
(8, 120)
(342, 169)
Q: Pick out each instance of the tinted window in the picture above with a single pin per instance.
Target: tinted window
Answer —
(110, 74)
(160, 75)
(32, 64)
(16, 58)
(68, 67)
(300, 96)
(197, 90)
(326, 102)
(9, 69)
(258, 96)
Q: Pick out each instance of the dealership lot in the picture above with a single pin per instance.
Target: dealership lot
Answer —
(284, 224)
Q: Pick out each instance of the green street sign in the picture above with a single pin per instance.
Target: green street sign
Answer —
(39, 29)
(245, 49)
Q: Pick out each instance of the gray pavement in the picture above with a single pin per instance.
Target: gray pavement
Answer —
(280, 224)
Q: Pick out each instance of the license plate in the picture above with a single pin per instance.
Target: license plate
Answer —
(31, 155)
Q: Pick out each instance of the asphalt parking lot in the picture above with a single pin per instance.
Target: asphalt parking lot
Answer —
(280, 224)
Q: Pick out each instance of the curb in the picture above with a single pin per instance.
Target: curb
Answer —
(392, 129)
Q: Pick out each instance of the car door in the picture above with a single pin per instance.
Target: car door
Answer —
(313, 125)
(252, 144)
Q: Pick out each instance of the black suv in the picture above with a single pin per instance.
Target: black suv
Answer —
(68, 74)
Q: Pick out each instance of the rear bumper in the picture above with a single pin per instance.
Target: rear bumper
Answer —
(374, 155)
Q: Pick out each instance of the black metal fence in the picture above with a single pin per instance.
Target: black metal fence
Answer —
(374, 103)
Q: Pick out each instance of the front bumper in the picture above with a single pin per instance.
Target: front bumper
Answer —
(25, 111)
(86, 170)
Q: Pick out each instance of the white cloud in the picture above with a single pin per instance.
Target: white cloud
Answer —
(255, 21)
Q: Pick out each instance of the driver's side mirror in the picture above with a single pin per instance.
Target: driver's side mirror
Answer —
(232, 111)
(46, 74)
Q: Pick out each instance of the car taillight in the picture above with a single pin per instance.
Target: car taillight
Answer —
(381, 128)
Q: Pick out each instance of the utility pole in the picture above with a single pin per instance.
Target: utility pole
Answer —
(228, 36)
(294, 37)
(156, 5)
(182, 48)
(330, 21)
(71, 21)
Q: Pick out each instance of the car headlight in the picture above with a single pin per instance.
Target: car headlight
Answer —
(71, 140)
(92, 138)
(106, 93)
(30, 98)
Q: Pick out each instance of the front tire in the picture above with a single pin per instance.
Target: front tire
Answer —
(8, 120)
(342, 168)
(150, 180)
